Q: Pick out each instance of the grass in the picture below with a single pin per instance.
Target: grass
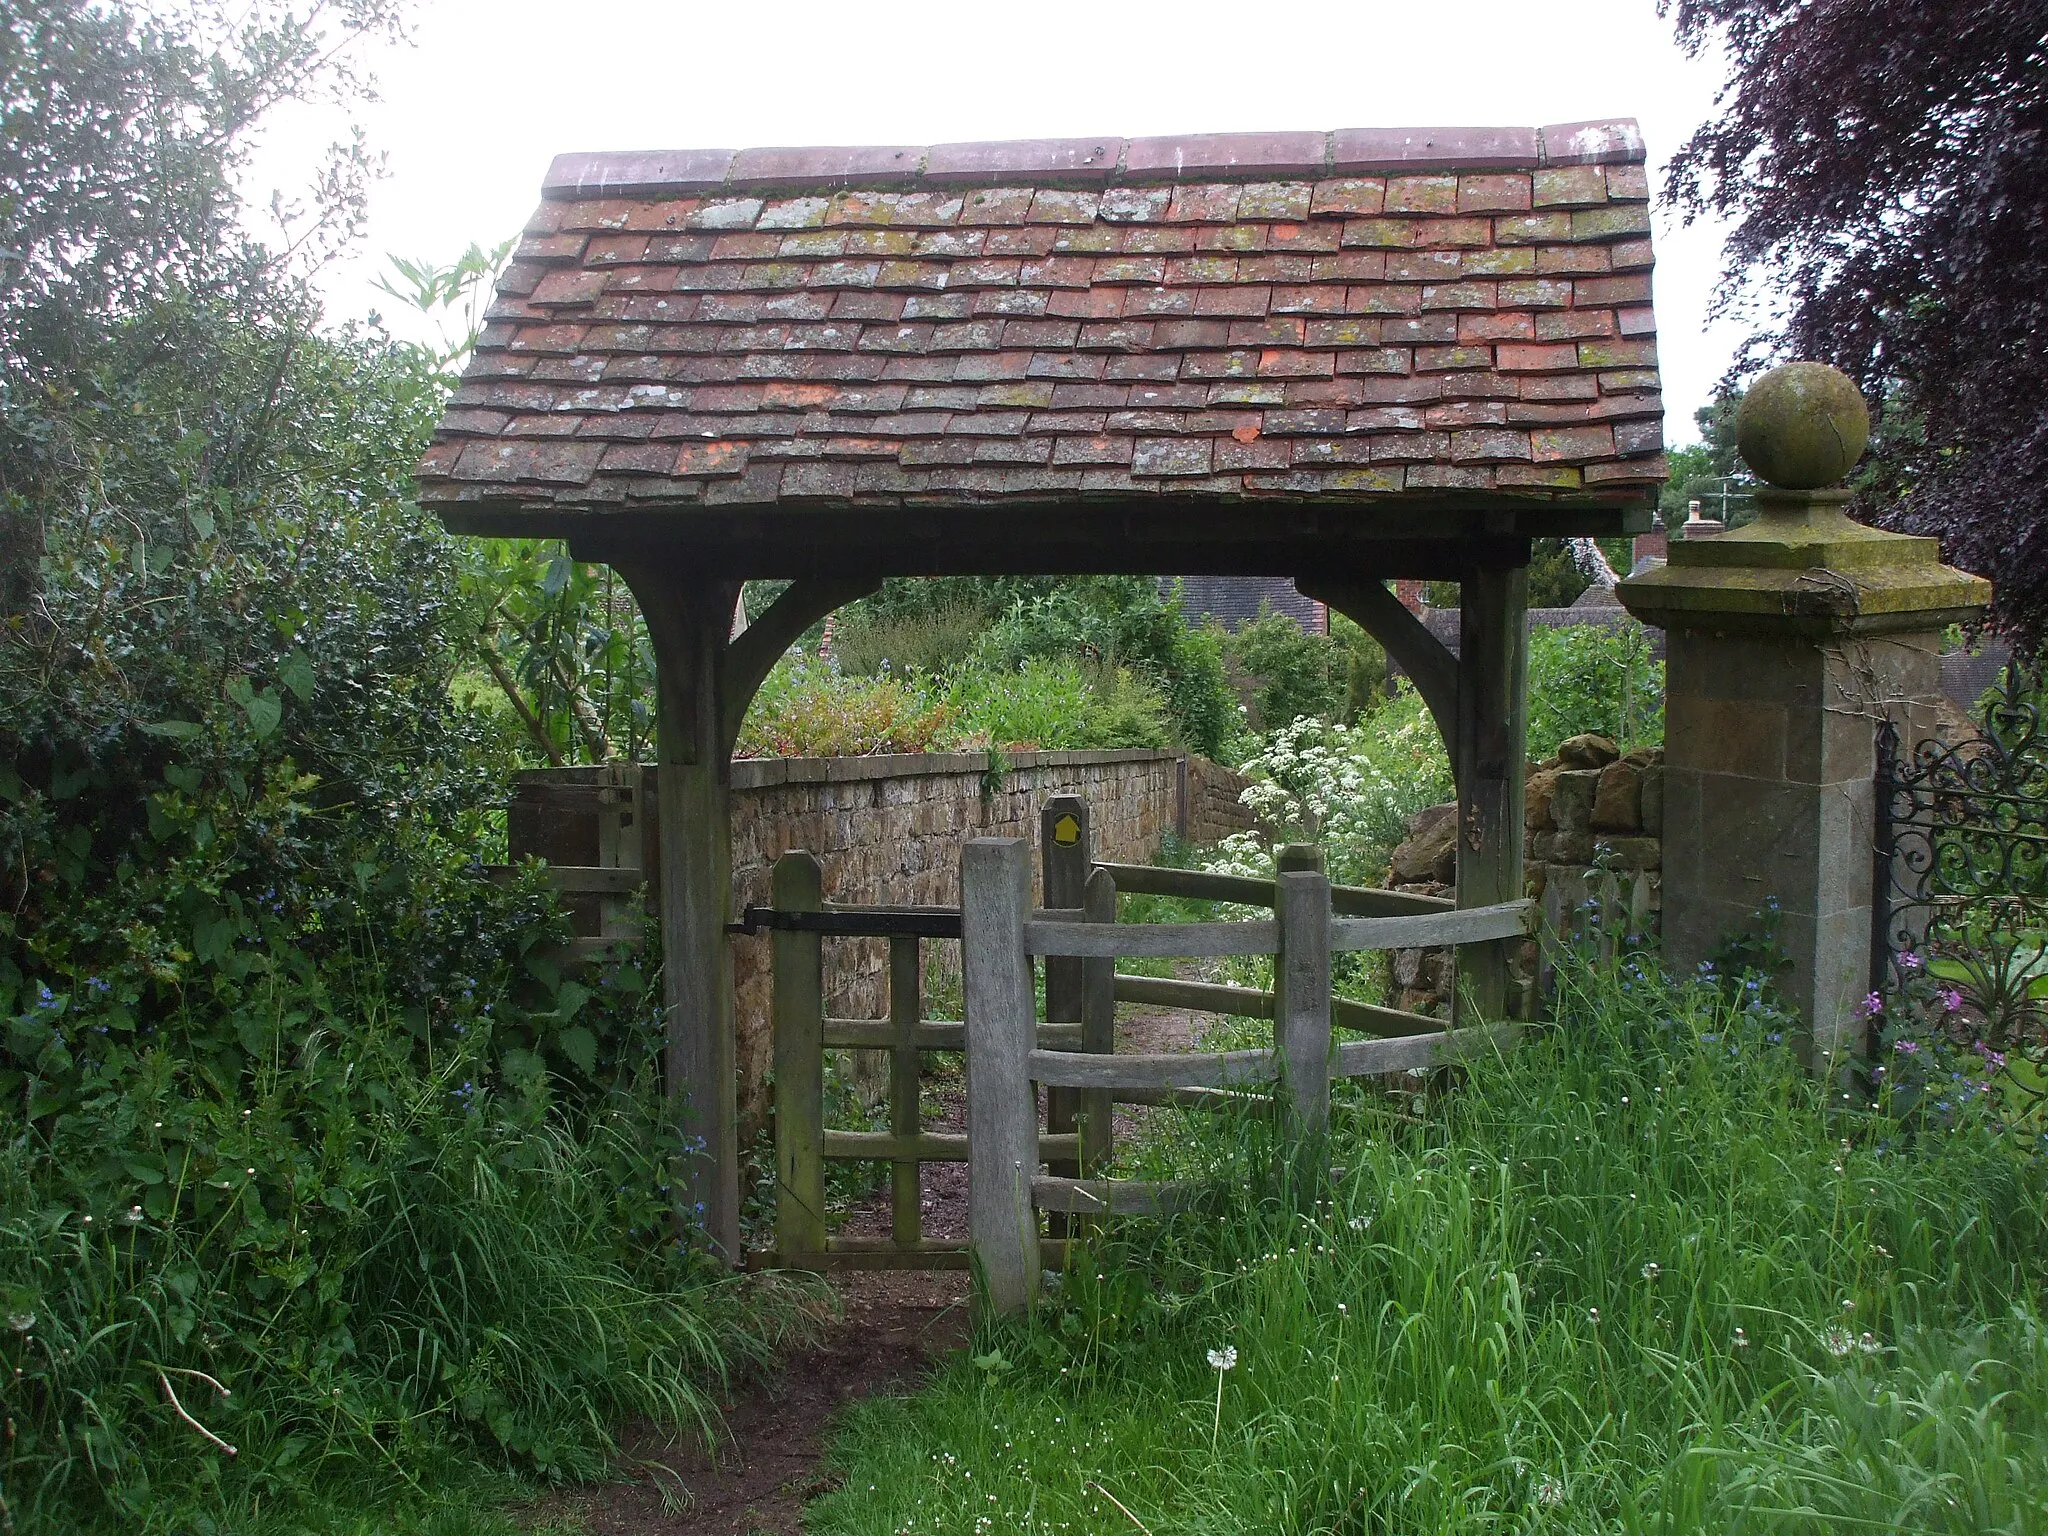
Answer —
(1642, 1275)
(458, 1316)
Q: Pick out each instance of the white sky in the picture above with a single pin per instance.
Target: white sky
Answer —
(490, 90)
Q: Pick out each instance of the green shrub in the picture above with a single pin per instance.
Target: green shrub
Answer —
(875, 643)
(807, 708)
(1058, 704)
(1122, 621)
(1594, 678)
(383, 1263)
(1293, 674)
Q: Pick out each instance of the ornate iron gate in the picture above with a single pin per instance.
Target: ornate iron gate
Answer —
(1960, 882)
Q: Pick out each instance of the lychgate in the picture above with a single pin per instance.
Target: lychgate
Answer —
(1339, 357)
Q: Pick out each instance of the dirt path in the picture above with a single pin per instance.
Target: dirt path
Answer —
(894, 1329)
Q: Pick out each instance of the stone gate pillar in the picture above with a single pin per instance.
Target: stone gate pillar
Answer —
(1788, 640)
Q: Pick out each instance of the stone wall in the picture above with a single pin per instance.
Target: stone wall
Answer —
(1594, 821)
(888, 830)
(1213, 805)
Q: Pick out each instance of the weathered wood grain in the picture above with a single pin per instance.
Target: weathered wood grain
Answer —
(1098, 1025)
(1002, 1106)
(1418, 1053)
(1152, 940)
(927, 1147)
(906, 995)
(798, 1011)
(1113, 1197)
(1246, 890)
(1180, 1069)
(1463, 925)
(934, 1035)
(1301, 996)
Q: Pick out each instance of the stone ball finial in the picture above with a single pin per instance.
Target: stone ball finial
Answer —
(1802, 426)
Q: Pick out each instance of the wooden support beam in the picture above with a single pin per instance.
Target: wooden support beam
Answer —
(1064, 860)
(1493, 681)
(1098, 1024)
(1429, 665)
(906, 998)
(688, 622)
(704, 682)
(752, 656)
(1200, 885)
(1178, 941)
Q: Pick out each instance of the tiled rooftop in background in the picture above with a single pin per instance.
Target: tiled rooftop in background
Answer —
(1288, 315)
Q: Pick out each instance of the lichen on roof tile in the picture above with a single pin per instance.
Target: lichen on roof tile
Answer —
(1330, 316)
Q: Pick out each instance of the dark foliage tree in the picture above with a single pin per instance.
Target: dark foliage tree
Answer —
(1886, 166)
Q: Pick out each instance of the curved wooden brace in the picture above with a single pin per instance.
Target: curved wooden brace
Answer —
(1426, 660)
(749, 658)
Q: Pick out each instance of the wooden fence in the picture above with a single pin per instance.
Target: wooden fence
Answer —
(1007, 1059)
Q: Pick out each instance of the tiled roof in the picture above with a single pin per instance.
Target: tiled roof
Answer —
(1297, 315)
(1235, 601)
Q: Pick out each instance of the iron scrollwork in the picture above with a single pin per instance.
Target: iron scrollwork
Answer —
(1961, 874)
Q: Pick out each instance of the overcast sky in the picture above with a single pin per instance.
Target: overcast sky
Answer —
(490, 90)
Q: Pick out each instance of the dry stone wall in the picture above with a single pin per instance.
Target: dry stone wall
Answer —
(888, 830)
(1594, 824)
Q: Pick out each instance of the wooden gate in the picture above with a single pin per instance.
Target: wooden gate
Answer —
(1008, 1059)
(1078, 1132)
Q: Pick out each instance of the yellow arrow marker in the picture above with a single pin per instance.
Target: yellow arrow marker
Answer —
(1066, 830)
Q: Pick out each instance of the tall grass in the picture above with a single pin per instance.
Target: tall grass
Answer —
(1641, 1274)
(377, 1301)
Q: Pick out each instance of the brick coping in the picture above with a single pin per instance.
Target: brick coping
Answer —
(1097, 161)
(766, 772)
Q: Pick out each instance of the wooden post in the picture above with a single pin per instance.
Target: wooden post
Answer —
(704, 680)
(1064, 861)
(688, 623)
(1002, 1105)
(1301, 991)
(1493, 675)
(797, 885)
(1098, 1027)
(906, 998)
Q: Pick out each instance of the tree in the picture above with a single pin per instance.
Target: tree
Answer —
(1709, 471)
(123, 139)
(1886, 166)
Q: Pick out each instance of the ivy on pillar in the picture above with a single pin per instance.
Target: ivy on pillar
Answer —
(1790, 639)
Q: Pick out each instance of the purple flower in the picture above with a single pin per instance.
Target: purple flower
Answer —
(1951, 1000)
(1909, 961)
(1995, 1060)
(1873, 1005)
(1906, 1047)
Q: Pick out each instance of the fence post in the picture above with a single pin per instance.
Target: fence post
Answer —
(797, 885)
(1098, 1026)
(1301, 990)
(1002, 1105)
(906, 999)
(1064, 861)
